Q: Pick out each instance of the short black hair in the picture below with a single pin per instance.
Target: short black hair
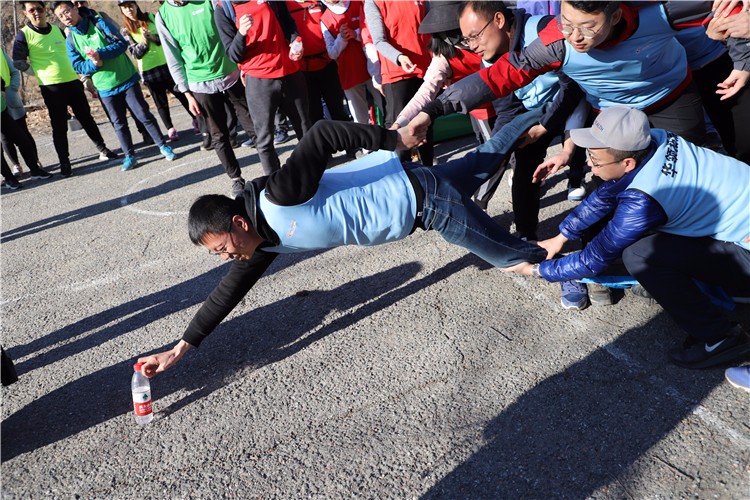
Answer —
(24, 2)
(638, 156)
(58, 3)
(485, 10)
(607, 7)
(212, 214)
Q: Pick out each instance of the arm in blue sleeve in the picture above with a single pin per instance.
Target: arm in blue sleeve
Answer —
(636, 214)
(80, 65)
(117, 45)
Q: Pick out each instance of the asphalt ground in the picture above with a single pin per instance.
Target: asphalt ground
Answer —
(406, 370)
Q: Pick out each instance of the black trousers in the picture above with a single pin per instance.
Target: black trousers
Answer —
(10, 149)
(397, 96)
(158, 90)
(58, 97)
(216, 118)
(264, 97)
(666, 265)
(13, 134)
(731, 116)
(325, 84)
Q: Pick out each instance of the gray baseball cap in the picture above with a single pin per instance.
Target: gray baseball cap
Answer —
(618, 127)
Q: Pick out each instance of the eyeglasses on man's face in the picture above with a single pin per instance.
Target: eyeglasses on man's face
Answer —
(223, 250)
(473, 38)
(594, 164)
(568, 29)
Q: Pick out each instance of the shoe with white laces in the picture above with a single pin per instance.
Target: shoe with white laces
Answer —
(697, 354)
(739, 377)
(167, 152)
(574, 295)
(576, 193)
(16, 169)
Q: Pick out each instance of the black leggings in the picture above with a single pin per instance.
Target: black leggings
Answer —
(158, 90)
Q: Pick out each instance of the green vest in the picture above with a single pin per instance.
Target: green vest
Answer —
(192, 26)
(5, 75)
(154, 57)
(112, 72)
(48, 56)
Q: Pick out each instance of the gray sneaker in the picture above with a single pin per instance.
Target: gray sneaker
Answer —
(642, 293)
(599, 295)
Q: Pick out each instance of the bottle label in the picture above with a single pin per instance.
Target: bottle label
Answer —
(142, 403)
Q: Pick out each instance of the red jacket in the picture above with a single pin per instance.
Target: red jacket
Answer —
(267, 53)
(306, 15)
(401, 20)
(352, 63)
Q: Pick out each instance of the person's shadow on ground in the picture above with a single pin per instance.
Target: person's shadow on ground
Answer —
(581, 429)
(264, 335)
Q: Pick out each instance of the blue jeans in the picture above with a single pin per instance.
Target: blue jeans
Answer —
(116, 107)
(448, 208)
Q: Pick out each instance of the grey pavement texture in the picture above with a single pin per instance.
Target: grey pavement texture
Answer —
(400, 371)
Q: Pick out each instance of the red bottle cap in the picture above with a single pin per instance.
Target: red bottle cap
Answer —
(137, 367)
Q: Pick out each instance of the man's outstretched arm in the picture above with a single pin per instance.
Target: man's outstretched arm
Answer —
(241, 277)
(297, 181)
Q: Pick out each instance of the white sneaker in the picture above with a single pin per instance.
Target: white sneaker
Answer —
(576, 194)
(739, 377)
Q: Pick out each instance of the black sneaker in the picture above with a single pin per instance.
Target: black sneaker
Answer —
(65, 170)
(696, 354)
(106, 154)
(238, 186)
(12, 183)
(207, 143)
(38, 173)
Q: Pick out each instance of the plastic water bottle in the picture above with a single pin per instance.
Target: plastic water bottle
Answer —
(296, 47)
(142, 409)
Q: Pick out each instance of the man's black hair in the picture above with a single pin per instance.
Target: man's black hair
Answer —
(212, 214)
(608, 8)
(638, 156)
(24, 2)
(58, 3)
(485, 10)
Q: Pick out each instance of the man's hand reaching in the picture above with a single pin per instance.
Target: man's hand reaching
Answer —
(157, 363)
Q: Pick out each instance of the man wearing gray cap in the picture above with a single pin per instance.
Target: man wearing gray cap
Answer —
(680, 213)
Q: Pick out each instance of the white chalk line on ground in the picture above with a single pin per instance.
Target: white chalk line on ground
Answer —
(91, 283)
(699, 410)
(126, 204)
